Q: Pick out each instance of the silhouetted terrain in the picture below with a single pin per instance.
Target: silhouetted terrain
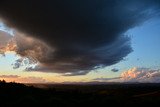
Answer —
(14, 94)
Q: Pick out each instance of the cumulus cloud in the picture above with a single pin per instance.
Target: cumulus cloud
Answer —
(74, 37)
(31, 50)
(141, 75)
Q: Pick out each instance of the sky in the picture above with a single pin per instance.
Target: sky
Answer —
(114, 41)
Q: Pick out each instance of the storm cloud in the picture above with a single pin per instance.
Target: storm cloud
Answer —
(5, 42)
(114, 70)
(74, 37)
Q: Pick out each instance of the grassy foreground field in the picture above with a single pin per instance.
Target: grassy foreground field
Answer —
(55, 95)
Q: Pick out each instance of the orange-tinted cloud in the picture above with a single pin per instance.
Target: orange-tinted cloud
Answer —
(17, 78)
(9, 76)
(6, 42)
(31, 79)
(135, 74)
(141, 75)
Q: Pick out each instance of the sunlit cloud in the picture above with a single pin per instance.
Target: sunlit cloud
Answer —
(9, 76)
(141, 75)
(30, 50)
(5, 42)
(31, 79)
(19, 79)
(135, 74)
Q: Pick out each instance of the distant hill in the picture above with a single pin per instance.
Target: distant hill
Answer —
(55, 95)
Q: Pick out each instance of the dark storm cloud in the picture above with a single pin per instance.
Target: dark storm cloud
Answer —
(17, 63)
(85, 34)
(114, 70)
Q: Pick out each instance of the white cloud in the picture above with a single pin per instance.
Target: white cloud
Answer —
(141, 75)
(135, 74)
